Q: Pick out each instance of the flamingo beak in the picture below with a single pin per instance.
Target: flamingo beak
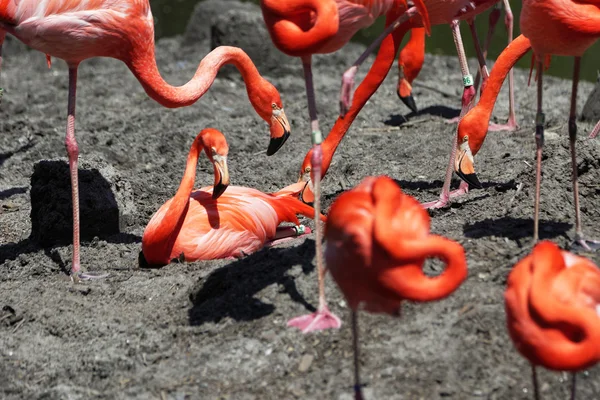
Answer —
(306, 194)
(405, 94)
(464, 166)
(221, 176)
(280, 131)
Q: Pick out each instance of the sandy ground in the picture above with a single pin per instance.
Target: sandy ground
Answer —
(216, 330)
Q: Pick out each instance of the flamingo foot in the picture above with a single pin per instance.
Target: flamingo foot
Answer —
(443, 201)
(318, 321)
(454, 120)
(347, 88)
(88, 276)
(509, 127)
(585, 245)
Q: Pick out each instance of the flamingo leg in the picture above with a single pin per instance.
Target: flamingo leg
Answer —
(492, 21)
(595, 131)
(579, 236)
(539, 142)
(73, 152)
(534, 381)
(286, 233)
(481, 55)
(573, 385)
(323, 318)
(348, 76)
(357, 386)
(468, 94)
(2, 36)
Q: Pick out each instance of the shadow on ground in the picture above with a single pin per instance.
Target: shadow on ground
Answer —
(230, 290)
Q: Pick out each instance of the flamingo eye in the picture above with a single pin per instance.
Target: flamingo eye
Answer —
(307, 170)
(465, 138)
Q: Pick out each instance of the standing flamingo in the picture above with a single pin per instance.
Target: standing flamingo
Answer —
(553, 310)
(75, 30)
(575, 27)
(377, 241)
(219, 221)
(473, 127)
(566, 28)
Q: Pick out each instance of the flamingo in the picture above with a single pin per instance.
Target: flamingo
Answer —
(553, 310)
(218, 221)
(75, 30)
(377, 241)
(473, 127)
(575, 26)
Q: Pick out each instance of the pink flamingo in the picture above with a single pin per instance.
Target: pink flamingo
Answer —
(219, 221)
(75, 30)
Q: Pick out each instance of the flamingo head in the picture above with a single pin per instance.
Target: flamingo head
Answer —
(472, 130)
(266, 101)
(404, 91)
(216, 148)
(306, 195)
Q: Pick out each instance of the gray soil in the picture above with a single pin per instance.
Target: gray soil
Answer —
(217, 329)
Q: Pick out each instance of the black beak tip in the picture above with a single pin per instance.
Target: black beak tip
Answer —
(409, 101)
(276, 143)
(218, 190)
(472, 180)
(302, 195)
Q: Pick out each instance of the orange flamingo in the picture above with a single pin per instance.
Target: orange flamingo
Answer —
(377, 241)
(553, 310)
(218, 222)
(75, 30)
(473, 127)
(575, 27)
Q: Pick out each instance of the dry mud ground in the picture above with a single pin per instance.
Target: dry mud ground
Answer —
(216, 330)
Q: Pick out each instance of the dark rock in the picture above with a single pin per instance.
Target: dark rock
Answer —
(106, 203)
(245, 28)
(205, 14)
(591, 109)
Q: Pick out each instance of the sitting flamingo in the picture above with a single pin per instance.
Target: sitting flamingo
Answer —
(212, 223)
(553, 310)
(377, 241)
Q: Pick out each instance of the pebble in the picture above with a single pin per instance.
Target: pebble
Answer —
(305, 362)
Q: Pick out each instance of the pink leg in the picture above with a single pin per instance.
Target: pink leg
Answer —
(73, 152)
(492, 21)
(539, 143)
(595, 131)
(2, 36)
(579, 236)
(357, 386)
(483, 71)
(468, 95)
(469, 91)
(323, 318)
(348, 76)
(287, 233)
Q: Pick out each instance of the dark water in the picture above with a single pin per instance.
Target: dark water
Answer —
(172, 15)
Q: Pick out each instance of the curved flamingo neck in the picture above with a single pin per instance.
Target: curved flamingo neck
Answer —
(369, 85)
(142, 63)
(166, 232)
(413, 54)
(293, 32)
(480, 115)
